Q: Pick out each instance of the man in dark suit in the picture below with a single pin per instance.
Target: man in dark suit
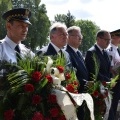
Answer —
(73, 42)
(103, 61)
(58, 36)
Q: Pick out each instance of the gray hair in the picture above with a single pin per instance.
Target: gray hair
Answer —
(56, 25)
(72, 28)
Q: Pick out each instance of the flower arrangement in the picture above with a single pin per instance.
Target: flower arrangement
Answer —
(101, 93)
(26, 88)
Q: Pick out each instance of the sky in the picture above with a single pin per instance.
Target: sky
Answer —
(104, 13)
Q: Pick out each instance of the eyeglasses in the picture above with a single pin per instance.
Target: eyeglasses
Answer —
(106, 39)
(63, 34)
(77, 36)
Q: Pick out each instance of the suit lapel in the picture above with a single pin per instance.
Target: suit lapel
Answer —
(78, 61)
(104, 61)
(51, 50)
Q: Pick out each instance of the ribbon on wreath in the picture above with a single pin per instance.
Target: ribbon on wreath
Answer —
(67, 105)
(107, 101)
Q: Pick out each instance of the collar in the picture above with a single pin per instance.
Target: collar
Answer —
(99, 47)
(55, 47)
(10, 42)
(113, 46)
(75, 50)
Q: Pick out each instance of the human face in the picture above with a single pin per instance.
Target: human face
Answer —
(59, 38)
(17, 31)
(105, 41)
(75, 39)
(116, 40)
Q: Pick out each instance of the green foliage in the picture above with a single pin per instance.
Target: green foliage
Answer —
(3, 8)
(68, 19)
(89, 30)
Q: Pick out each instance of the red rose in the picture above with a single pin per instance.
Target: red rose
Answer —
(104, 83)
(60, 68)
(99, 102)
(36, 99)
(70, 88)
(29, 88)
(36, 76)
(95, 93)
(62, 117)
(67, 76)
(50, 79)
(8, 114)
(54, 112)
(38, 116)
(75, 83)
(47, 118)
(52, 98)
(101, 96)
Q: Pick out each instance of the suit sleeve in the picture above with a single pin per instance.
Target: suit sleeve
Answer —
(90, 64)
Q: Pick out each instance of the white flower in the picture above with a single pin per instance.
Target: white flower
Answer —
(49, 64)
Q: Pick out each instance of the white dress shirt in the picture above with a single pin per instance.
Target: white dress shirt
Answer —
(8, 53)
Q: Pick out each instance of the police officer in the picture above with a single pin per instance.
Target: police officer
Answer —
(17, 23)
(114, 53)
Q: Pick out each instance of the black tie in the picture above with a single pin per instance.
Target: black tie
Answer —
(17, 49)
(60, 52)
(118, 51)
(105, 54)
(80, 55)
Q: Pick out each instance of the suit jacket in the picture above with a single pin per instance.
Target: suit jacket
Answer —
(103, 64)
(81, 70)
(50, 50)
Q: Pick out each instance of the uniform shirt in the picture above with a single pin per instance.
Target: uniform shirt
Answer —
(8, 53)
(114, 55)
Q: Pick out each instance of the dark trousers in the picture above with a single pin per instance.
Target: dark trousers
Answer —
(115, 101)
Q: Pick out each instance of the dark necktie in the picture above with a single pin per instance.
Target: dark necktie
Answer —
(17, 49)
(118, 51)
(60, 52)
(80, 56)
(105, 54)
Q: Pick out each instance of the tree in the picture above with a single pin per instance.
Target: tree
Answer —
(89, 30)
(3, 8)
(68, 19)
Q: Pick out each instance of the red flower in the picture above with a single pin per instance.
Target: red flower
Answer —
(67, 76)
(104, 83)
(75, 83)
(95, 93)
(54, 112)
(50, 80)
(60, 68)
(38, 116)
(29, 88)
(36, 76)
(36, 99)
(9, 114)
(47, 118)
(70, 88)
(62, 117)
(99, 102)
(52, 98)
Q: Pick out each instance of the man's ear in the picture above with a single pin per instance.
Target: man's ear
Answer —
(8, 26)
